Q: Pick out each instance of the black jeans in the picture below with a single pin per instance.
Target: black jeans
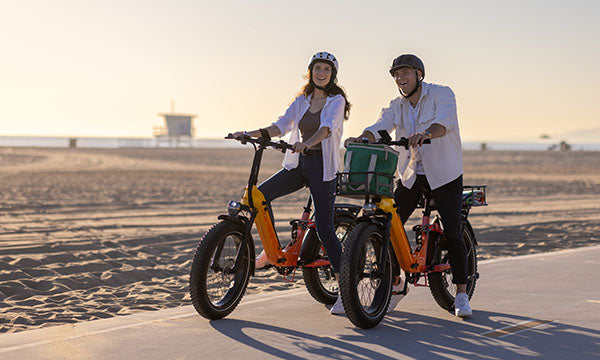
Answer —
(448, 202)
(310, 171)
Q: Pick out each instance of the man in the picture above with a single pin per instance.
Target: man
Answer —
(427, 111)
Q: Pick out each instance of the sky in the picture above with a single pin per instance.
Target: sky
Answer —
(519, 69)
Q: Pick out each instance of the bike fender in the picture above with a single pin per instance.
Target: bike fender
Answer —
(347, 209)
(238, 219)
(342, 212)
(371, 220)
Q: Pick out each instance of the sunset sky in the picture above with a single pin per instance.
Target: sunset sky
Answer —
(107, 68)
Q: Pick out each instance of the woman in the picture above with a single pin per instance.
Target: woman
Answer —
(317, 115)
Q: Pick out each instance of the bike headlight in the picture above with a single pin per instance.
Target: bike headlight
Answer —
(369, 207)
(233, 207)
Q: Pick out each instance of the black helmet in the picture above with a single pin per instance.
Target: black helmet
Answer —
(407, 60)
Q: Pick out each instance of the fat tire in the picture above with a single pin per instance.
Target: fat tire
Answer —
(353, 260)
(439, 281)
(201, 270)
(312, 280)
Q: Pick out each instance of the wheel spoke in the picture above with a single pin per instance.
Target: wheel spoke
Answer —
(220, 278)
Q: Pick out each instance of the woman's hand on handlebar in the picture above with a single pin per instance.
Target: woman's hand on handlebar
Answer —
(299, 147)
(417, 139)
(238, 134)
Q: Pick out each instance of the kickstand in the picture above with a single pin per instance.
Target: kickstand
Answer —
(293, 277)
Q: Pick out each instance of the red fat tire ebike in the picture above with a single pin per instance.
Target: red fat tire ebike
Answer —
(366, 274)
(224, 258)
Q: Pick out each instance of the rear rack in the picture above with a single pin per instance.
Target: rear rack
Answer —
(472, 195)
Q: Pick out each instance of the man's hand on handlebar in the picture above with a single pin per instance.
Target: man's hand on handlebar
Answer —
(351, 139)
(417, 139)
(366, 137)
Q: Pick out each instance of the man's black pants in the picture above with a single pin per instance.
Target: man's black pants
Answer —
(448, 202)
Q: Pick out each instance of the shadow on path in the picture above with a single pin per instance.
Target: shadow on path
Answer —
(414, 335)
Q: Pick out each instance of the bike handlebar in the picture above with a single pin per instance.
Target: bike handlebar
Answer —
(264, 142)
(402, 142)
(387, 140)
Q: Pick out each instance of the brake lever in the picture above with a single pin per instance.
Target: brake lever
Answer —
(283, 146)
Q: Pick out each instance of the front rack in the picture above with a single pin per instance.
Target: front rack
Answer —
(357, 185)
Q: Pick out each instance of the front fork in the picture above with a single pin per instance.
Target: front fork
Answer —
(245, 242)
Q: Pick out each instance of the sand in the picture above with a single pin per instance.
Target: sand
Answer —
(94, 233)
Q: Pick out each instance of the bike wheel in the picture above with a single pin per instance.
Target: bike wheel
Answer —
(440, 283)
(365, 280)
(216, 284)
(320, 282)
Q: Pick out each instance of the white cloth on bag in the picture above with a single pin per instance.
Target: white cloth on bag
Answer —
(332, 116)
(442, 159)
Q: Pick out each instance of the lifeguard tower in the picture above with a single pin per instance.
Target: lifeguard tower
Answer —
(178, 129)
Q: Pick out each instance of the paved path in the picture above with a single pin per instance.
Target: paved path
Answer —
(544, 306)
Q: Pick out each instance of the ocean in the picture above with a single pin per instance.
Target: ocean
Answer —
(107, 142)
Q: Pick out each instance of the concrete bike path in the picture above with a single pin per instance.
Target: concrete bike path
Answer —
(535, 306)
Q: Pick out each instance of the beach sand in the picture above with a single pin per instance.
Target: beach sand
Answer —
(94, 233)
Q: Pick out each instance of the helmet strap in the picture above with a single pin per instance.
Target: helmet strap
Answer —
(326, 88)
(419, 81)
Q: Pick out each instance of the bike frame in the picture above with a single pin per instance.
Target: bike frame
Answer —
(268, 235)
(254, 201)
(410, 261)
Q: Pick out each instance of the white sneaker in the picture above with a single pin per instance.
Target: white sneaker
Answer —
(338, 307)
(261, 261)
(396, 295)
(461, 306)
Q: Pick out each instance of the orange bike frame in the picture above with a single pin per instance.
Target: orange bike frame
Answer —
(268, 237)
(412, 262)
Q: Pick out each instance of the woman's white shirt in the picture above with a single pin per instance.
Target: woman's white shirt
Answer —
(332, 117)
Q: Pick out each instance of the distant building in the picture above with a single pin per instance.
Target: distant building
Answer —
(178, 129)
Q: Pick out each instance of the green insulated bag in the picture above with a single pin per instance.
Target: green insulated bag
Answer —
(368, 170)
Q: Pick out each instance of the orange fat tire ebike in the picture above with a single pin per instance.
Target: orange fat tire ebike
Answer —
(366, 274)
(224, 258)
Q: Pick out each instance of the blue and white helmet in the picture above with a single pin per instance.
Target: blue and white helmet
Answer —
(324, 56)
